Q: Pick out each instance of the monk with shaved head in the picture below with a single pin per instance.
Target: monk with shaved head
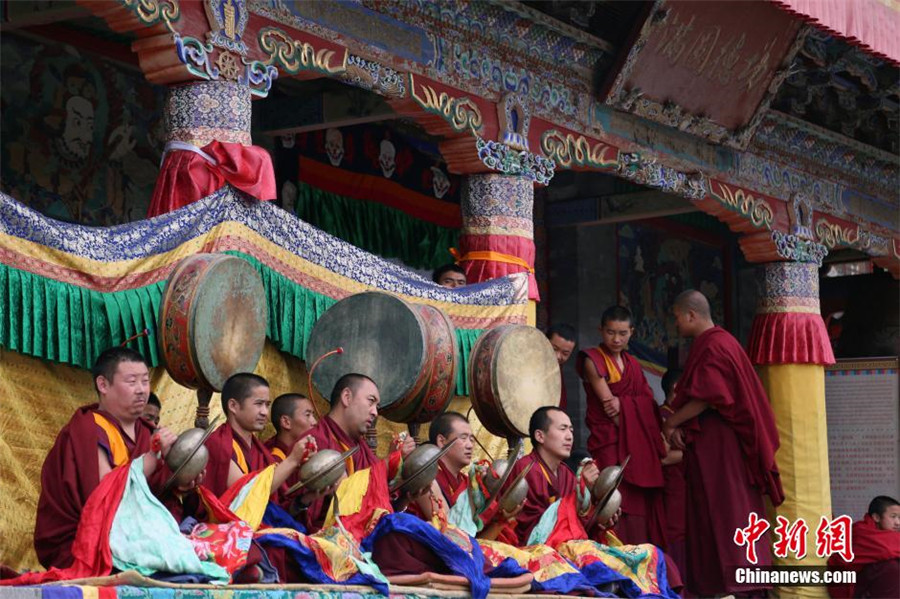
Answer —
(724, 424)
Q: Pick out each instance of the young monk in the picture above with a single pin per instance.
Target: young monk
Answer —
(97, 439)
(234, 449)
(293, 416)
(876, 553)
(675, 493)
(623, 420)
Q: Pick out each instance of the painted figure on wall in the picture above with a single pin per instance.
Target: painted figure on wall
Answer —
(82, 137)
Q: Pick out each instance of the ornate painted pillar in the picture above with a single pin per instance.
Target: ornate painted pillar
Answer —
(208, 144)
(790, 346)
(497, 228)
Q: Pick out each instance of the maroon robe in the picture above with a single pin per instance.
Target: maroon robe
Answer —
(70, 473)
(329, 435)
(279, 451)
(638, 435)
(876, 559)
(729, 460)
(451, 486)
(222, 452)
(544, 487)
(675, 500)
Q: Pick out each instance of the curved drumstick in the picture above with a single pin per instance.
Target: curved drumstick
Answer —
(337, 350)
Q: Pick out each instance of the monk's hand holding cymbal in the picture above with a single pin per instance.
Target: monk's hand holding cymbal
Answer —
(408, 446)
(511, 516)
(165, 440)
(590, 473)
(613, 520)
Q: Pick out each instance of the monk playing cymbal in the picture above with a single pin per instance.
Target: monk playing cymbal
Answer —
(97, 439)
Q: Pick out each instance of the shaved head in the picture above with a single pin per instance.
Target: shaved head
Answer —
(693, 300)
(692, 313)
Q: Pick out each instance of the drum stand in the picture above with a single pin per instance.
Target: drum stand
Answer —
(414, 428)
(202, 418)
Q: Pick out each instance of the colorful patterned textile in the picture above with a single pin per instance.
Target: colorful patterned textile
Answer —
(639, 570)
(77, 290)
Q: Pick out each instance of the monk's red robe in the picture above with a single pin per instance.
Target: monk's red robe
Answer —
(876, 556)
(638, 434)
(225, 447)
(729, 461)
(452, 486)
(71, 472)
(279, 452)
(544, 487)
(675, 500)
(329, 435)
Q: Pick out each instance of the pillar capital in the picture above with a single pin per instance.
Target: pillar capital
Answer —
(198, 113)
(788, 327)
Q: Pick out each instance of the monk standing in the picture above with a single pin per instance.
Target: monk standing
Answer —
(623, 420)
(725, 425)
(97, 438)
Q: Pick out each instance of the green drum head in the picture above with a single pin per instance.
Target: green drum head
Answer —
(228, 321)
(382, 338)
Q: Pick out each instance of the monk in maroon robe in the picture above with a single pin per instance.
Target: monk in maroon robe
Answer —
(354, 407)
(562, 339)
(97, 439)
(876, 554)
(675, 488)
(725, 425)
(234, 449)
(293, 415)
(623, 420)
(550, 479)
(450, 483)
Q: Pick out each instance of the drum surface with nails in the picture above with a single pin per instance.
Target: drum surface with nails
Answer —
(212, 321)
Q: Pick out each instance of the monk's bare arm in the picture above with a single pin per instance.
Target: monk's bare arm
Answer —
(691, 409)
(234, 473)
(599, 385)
(103, 463)
(103, 467)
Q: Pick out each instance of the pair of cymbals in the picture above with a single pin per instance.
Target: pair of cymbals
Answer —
(605, 487)
(183, 451)
(420, 467)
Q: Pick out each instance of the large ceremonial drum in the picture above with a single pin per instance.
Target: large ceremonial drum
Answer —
(512, 372)
(408, 349)
(212, 323)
